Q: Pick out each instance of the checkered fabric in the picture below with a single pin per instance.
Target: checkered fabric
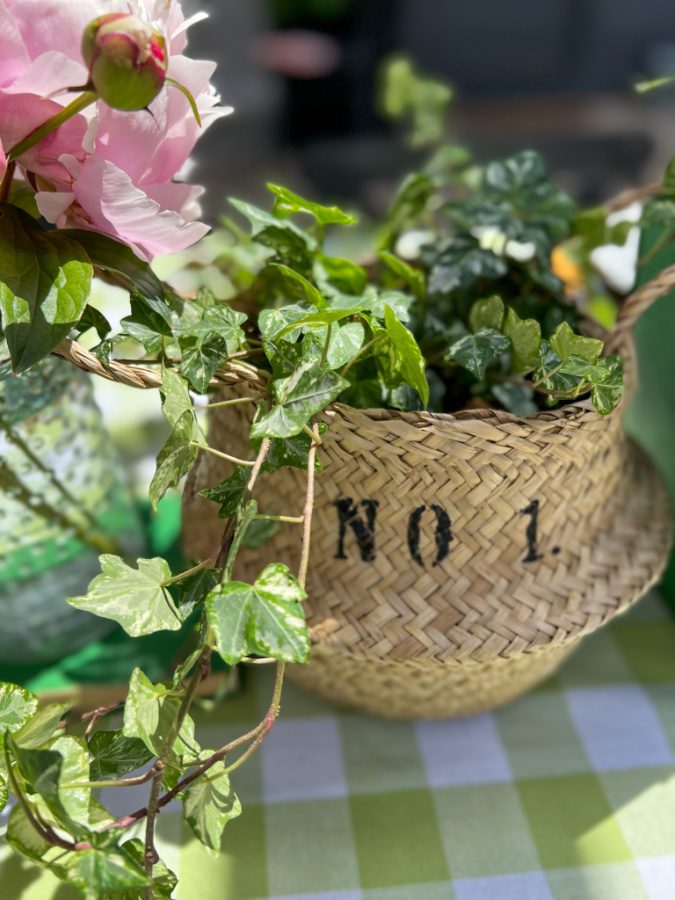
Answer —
(568, 793)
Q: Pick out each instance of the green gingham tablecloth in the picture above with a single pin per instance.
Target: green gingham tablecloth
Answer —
(567, 793)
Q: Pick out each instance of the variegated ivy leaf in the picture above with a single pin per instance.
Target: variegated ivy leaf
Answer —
(17, 706)
(4, 795)
(99, 873)
(137, 599)
(475, 352)
(42, 726)
(265, 618)
(566, 343)
(176, 457)
(150, 715)
(298, 398)
(209, 804)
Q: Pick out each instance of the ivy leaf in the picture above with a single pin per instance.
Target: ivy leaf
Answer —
(475, 352)
(93, 318)
(209, 804)
(292, 452)
(45, 282)
(23, 838)
(265, 618)
(606, 396)
(206, 319)
(164, 882)
(409, 275)
(229, 492)
(176, 400)
(150, 714)
(297, 286)
(100, 871)
(333, 273)
(406, 355)
(146, 326)
(115, 755)
(193, 590)
(137, 599)
(17, 706)
(487, 313)
(4, 794)
(345, 342)
(273, 321)
(286, 203)
(549, 376)
(176, 458)
(565, 343)
(516, 398)
(462, 262)
(42, 726)
(289, 243)
(525, 337)
(581, 368)
(298, 397)
(410, 202)
(259, 532)
(201, 360)
(319, 319)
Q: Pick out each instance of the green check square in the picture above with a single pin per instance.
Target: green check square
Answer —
(539, 737)
(571, 822)
(661, 696)
(241, 869)
(484, 831)
(644, 800)
(379, 755)
(397, 839)
(413, 892)
(615, 881)
(597, 661)
(648, 648)
(310, 848)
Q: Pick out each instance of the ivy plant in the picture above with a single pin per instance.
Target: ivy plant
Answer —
(457, 304)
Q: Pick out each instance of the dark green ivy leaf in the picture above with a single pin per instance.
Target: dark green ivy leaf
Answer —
(475, 352)
(229, 492)
(462, 262)
(114, 755)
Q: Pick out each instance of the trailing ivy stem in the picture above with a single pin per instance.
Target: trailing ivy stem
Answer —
(234, 402)
(151, 857)
(315, 437)
(221, 455)
(326, 346)
(207, 564)
(288, 520)
(77, 106)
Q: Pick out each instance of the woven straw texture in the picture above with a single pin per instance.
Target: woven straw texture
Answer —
(457, 559)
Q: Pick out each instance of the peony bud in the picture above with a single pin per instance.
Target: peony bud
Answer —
(127, 60)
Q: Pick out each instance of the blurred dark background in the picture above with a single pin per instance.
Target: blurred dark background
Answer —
(555, 75)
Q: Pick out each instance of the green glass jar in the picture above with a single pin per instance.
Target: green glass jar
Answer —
(63, 502)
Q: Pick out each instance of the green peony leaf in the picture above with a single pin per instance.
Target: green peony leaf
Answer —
(487, 313)
(406, 355)
(286, 203)
(266, 618)
(176, 458)
(525, 337)
(475, 352)
(93, 318)
(299, 397)
(137, 599)
(209, 804)
(45, 283)
(114, 755)
(17, 706)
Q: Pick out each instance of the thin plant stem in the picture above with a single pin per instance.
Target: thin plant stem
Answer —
(74, 108)
(236, 401)
(288, 520)
(6, 184)
(220, 455)
(207, 564)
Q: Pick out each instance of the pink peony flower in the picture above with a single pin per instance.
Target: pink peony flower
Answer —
(104, 169)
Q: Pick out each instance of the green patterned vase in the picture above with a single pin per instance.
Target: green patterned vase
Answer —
(63, 502)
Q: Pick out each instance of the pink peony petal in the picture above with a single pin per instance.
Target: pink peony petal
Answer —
(48, 75)
(54, 205)
(115, 206)
(13, 54)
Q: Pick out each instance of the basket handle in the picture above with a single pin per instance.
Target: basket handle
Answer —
(637, 303)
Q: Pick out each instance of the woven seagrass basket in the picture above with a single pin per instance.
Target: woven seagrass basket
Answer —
(458, 559)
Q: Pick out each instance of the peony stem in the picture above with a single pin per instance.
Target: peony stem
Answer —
(77, 105)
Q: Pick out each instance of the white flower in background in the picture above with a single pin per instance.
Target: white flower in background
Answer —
(492, 238)
(616, 264)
